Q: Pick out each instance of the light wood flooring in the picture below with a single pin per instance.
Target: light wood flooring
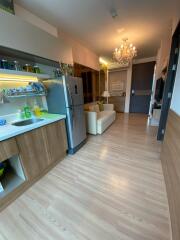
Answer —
(112, 189)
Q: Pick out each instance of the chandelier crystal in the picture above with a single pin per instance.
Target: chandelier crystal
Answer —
(125, 53)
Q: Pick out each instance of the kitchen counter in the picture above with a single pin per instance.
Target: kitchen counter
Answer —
(9, 130)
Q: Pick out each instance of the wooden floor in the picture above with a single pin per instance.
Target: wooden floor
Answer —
(112, 189)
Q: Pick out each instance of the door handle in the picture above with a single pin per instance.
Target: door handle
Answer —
(69, 93)
(72, 116)
(133, 92)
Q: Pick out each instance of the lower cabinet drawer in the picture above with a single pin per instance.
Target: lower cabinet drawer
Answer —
(33, 152)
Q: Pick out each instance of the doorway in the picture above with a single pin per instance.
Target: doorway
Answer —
(169, 85)
(117, 88)
(141, 88)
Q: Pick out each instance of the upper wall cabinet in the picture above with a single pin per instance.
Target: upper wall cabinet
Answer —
(21, 35)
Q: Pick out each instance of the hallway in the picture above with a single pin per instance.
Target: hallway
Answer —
(112, 189)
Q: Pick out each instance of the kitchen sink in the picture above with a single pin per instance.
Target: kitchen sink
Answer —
(27, 122)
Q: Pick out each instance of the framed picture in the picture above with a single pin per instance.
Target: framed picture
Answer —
(7, 5)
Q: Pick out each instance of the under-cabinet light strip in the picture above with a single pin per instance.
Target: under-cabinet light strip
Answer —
(17, 78)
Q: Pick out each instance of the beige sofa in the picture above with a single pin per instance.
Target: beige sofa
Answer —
(97, 122)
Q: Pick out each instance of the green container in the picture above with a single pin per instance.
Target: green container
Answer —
(2, 168)
(27, 112)
(1, 172)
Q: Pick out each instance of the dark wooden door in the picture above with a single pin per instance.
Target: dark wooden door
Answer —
(87, 86)
(169, 84)
(141, 88)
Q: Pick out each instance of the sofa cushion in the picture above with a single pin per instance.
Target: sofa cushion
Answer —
(102, 116)
(105, 114)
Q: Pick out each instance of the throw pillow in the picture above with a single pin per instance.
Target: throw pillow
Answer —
(101, 106)
(96, 108)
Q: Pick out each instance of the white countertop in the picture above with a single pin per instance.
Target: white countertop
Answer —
(9, 130)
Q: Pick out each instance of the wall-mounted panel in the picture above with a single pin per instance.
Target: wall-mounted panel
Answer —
(21, 35)
(171, 168)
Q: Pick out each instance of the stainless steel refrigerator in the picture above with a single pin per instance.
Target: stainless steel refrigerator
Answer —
(65, 96)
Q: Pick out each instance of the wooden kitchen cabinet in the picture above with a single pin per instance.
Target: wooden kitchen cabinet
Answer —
(42, 147)
(33, 152)
(8, 148)
(56, 140)
(38, 151)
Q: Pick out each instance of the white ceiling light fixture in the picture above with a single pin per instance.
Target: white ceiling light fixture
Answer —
(125, 53)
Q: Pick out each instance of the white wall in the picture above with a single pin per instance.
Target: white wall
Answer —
(163, 53)
(144, 60)
(165, 46)
(82, 54)
(21, 35)
(128, 89)
(175, 103)
(33, 19)
(66, 51)
(61, 47)
(176, 15)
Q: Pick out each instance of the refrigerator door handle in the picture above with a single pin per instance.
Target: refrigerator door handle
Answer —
(72, 116)
(69, 93)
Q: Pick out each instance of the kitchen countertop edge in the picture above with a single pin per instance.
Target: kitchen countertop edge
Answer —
(9, 131)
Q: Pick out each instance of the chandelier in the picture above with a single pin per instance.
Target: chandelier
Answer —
(125, 53)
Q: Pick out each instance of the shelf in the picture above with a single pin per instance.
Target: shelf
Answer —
(22, 73)
(29, 95)
(13, 176)
(10, 182)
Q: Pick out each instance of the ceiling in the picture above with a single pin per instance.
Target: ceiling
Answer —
(143, 22)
